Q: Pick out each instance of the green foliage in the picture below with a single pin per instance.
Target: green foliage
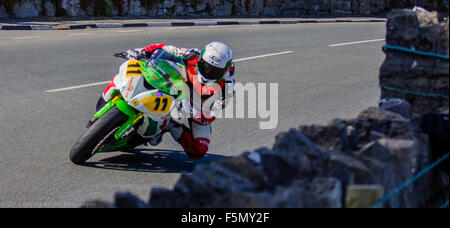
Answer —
(442, 7)
(102, 8)
(43, 10)
(108, 8)
(60, 12)
(56, 3)
(149, 4)
(393, 4)
(9, 5)
(118, 4)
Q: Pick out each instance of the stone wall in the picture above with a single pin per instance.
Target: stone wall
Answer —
(421, 80)
(201, 8)
(314, 165)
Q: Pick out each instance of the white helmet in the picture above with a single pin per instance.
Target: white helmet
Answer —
(214, 62)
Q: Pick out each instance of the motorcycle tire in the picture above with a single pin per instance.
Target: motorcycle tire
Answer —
(83, 148)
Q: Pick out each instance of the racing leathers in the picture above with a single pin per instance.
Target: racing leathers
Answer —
(194, 139)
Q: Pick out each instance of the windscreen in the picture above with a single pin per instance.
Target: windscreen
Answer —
(176, 63)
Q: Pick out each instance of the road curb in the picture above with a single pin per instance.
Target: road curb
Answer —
(177, 24)
(16, 27)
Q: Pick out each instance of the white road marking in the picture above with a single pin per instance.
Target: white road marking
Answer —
(106, 82)
(77, 87)
(356, 42)
(263, 56)
(25, 38)
(80, 34)
(125, 31)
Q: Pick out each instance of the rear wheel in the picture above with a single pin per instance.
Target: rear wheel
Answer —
(91, 140)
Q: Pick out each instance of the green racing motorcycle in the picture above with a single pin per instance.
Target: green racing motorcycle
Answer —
(148, 88)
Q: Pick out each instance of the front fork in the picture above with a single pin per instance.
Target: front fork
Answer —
(133, 116)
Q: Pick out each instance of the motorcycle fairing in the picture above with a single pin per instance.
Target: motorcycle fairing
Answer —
(131, 84)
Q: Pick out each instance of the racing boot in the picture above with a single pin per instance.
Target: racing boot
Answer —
(195, 148)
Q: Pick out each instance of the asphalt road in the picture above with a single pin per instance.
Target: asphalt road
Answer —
(316, 83)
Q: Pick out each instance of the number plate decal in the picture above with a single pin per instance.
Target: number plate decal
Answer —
(134, 69)
(160, 104)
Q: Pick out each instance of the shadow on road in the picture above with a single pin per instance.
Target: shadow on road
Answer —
(153, 160)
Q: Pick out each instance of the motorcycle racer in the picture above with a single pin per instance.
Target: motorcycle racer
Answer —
(212, 64)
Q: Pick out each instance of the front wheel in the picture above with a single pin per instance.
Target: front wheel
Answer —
(90, 141)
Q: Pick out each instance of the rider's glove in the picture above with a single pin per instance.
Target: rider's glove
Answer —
(194, 52)
(136, 54)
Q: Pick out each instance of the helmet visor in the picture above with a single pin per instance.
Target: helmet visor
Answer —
(210, 72)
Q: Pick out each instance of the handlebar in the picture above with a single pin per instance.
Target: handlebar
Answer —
(122, 55)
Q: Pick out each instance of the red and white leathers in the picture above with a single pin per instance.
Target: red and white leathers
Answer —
(194, 139)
